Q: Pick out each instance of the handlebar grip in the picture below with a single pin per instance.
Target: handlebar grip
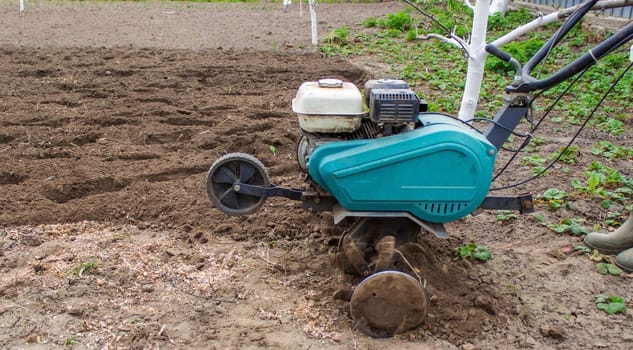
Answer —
(497, 52)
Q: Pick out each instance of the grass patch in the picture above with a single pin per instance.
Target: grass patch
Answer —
(83, 268)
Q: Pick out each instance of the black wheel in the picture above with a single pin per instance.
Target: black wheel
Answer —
(303, 146)
(230, 169)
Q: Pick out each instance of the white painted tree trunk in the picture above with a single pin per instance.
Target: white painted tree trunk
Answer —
(21, 6)
(476, 61)
(499, 6)
(313, 22)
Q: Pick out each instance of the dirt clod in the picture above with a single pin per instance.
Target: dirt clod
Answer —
(486, 303)
(553, 331)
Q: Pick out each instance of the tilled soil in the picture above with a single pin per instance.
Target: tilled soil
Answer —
(109, 241)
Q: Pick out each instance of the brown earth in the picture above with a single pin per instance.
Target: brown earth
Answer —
(110, 116)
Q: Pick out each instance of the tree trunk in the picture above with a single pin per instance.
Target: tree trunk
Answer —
(499, 6)
(313, 21)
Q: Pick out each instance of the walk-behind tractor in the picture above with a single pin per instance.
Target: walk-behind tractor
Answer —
(389, 166)
(392, 168)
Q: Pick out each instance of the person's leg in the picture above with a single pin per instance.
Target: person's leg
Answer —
(619, 242)
(612, 243)
(625, 260)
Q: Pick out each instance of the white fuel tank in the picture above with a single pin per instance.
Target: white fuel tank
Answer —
(328, 106)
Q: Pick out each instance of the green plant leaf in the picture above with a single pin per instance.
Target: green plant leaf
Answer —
(613, 270)
(615, 299)
(539, 217)
(594, 181)
(71, 341)
(505, 216)
(560, 228)
(611, 304)
(582, 248)
(466, 251)
(612, 308)
(473, 251)
(577, 229)
(272, 150)
(601, 298)
(602, 268)
(596, 256)
(482, 254)
(84, 268)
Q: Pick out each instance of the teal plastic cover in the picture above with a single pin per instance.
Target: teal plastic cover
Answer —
(439, 172)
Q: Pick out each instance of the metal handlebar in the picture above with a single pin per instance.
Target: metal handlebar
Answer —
(524, 82)
(505, 57)
(528, 83)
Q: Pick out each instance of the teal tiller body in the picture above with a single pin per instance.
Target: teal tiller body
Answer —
(439, 172)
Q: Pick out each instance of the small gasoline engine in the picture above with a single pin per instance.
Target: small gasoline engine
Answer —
(390, 166)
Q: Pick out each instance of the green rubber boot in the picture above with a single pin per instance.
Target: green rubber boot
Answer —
(624, 260)
(612, 243)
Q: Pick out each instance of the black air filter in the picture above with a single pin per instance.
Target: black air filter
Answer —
(393, 105)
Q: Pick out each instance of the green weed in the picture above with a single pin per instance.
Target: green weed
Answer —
(513, 289)
(613, 219)
(540, 218)
(473, 251)
(611, 151)
(612, 126)
(611, 304)
(83, 268)
(505, 216)
(537, 162)
(554, 198)
(534, 160)
(569, 226)
(583, 249)
(593, 186)
(567, 155)
(370, 22)
(71, 341)
(608, 269)
(338, 37)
